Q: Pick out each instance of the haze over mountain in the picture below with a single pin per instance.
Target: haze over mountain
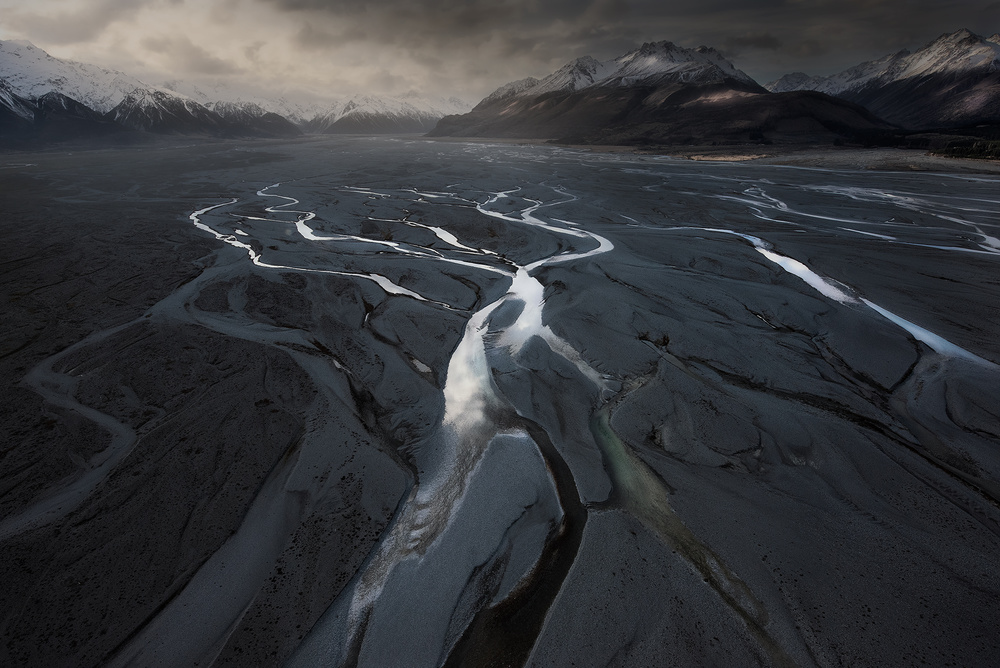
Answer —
(658, 93)
(950, 82)
(118, 99)
(382, 114)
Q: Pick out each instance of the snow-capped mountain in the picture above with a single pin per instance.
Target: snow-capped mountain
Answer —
(134, 104)
(510, 90)
(435, 105)
(53, 103)
(587, 94)
(33, 73)
(13, 106)
(123, 99)
(652, 63)
(357, 114)
(580, 73)
(178, 107)
(251, 115)
(958, 52)
(364, 114)
(295, 111)
(658, 93)
(61, 118)
(165, 113)
(702, 65)
(954, 80)
(297, 108)
(794, 81)
(51, 117)
(17, 116)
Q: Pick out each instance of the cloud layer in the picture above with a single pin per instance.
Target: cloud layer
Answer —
(464, 47)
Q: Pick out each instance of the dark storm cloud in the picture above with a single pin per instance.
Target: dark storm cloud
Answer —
(317, 38)
(252, 52)
(754, 41)
(469, 47)
(70, 25)
(558, 30)
(188, 56)
(440, 23)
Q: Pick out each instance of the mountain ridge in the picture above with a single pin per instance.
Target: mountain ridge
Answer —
(652, 60)
(397, 114)
(176, 107)
(657, 93)
(53, 117)
(952, 81)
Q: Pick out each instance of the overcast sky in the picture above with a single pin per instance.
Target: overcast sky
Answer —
(466, 48)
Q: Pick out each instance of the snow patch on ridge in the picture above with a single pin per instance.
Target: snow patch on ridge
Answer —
(960, 51)
(651, 60)
(32, 73)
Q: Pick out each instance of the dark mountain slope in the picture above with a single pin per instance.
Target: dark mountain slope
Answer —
(954, 81)
(659, 94)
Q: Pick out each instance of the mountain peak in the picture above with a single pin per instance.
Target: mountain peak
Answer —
(957, 37)
(658, 59)
(588, 63)
(32, 73)
(955, 52)
(510, 90)
(945, 83)
(655, 47)
(652, 62)
(580, 73)
(362, 113)
(791, 81)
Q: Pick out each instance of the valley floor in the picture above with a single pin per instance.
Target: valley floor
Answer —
(393, 401)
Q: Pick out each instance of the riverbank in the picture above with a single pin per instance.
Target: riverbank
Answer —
(829, 157)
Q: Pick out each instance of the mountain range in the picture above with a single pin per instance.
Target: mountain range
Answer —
(953, 81)
(52, 117)
(95, 102)
(373, 114)
(364, 114)
(660, 93)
